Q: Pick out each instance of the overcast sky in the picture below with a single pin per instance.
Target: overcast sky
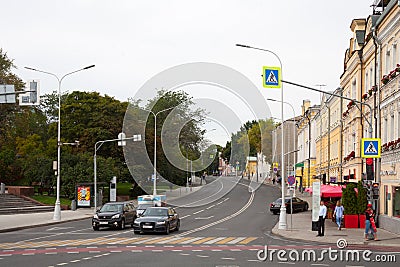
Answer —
(132, 41)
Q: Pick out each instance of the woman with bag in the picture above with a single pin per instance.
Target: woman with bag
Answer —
(338, 214)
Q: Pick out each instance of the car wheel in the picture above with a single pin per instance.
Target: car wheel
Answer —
(136, 232)
(167, 230)
(275, 212)
(305, 207)
(96, 228)
(122, 225)
(178, 224)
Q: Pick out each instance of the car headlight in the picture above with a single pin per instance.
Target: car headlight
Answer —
(116, 216)
(95, 216)
(136, 222)
(159, 223)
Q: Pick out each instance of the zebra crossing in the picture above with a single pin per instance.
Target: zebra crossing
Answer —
(151, 240)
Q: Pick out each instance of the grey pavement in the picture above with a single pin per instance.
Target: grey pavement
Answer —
(300, 229)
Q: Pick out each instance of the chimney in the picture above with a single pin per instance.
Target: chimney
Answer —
(306, 105)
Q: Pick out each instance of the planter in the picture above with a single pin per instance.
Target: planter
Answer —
(329, 214)
(351, 221)
(362, 220)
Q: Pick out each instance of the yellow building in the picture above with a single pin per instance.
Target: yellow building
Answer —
(351, 81)
(329, 139)
(305, 166)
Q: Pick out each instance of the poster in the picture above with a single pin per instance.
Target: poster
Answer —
(84, 196)
(316, 199)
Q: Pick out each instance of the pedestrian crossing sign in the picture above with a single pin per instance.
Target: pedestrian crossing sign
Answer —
(371, 147)
(271, 77)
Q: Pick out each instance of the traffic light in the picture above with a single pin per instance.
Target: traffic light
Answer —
(31, 96)
(369, 191)
(369, 162)
(33, 92)
(375, 190)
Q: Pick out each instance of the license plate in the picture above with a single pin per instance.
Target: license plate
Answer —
(147, 226)
(103, 222)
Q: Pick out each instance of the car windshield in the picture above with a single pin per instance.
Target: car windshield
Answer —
(144, 206)
(279, 200)
(111, 208)
(156, 212)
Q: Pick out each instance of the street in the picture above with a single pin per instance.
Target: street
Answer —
(229, 231)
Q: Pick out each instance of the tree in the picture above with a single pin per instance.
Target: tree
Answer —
(349, 199)
(361, 198)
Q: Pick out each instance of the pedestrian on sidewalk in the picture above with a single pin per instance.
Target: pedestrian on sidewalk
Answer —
(338, 214)
(370, 223)
(321, 219)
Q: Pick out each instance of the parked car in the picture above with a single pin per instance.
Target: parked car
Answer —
(297, 204)
(114, 214)
(141, 208)
(157, 219)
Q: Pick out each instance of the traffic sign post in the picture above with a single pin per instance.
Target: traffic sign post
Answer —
(371, 147)
(271, 77)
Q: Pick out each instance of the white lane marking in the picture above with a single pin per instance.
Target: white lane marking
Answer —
(216, 250)
(197, 212)
(319, 264)
(197, 250)
(232, 259)
(136, 250)
(185, 216)
(51, 253)
(87, 258)
(184, 254)
(235, 249)
(223, 219)
(202, 256)
(73, 252)
(94, 251)
(169, 240)
(156, 250)
(204, 218)
(191, 240)
(190, 204)
(75, 261)
(236, 240)
(63, 263)
(214, 240)
(210, 207)
(177, 250)
(28, 254)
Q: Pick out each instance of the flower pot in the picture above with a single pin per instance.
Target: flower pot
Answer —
(351, 221)
(362, 220)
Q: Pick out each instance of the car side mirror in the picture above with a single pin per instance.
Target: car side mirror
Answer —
(98, 210)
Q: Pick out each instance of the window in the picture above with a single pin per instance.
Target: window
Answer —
(354, 142)
(371, 76)
(394, 52)
(354, 90)
(385, 131)
(367, 80)
(392, 127)
(398, 125)
(388, 65)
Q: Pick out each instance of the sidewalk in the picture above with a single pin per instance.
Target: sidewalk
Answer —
(302, 231)
(13, 222)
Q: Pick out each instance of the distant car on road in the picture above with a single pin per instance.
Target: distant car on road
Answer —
(157, 219)
(297, 204)
(114, 214)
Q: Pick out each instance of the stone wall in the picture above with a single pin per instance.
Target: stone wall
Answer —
(21, 190)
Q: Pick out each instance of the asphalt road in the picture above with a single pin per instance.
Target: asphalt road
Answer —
(230, 230)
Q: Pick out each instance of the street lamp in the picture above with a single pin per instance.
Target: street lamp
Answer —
(97, 146)
(155, 145)
(282, 216)
(294, 129)
(57, 208)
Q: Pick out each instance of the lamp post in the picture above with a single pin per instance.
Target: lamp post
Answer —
(97, 147)
(155, 145)
(282, 216)
(294, 129)
(57, 208)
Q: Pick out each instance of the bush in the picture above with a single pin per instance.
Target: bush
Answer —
(349, 199)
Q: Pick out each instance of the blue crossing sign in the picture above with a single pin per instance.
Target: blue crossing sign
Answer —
(271, 77)
(371, 147)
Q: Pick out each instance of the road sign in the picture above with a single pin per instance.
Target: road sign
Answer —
(271, 77)
(275, 166)
(7, 94)
(371, 147)
(291, 180)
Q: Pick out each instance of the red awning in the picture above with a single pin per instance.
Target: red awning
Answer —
(328, 191)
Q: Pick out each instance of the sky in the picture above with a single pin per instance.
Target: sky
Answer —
(132, 41)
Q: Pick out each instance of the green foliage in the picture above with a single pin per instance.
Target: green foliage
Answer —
(349, 199)
(51, 200)
(361, 198)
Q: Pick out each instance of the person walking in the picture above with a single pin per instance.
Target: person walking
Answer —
(370, 223)
(338, 214)
(321, 219)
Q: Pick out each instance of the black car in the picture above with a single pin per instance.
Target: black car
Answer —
(157, 219)
(297, 204)
(141, 208)
(114, 214)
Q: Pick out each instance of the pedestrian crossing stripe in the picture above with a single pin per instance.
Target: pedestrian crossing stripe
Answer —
(371, 147)
(271, 77)
(175, 239)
